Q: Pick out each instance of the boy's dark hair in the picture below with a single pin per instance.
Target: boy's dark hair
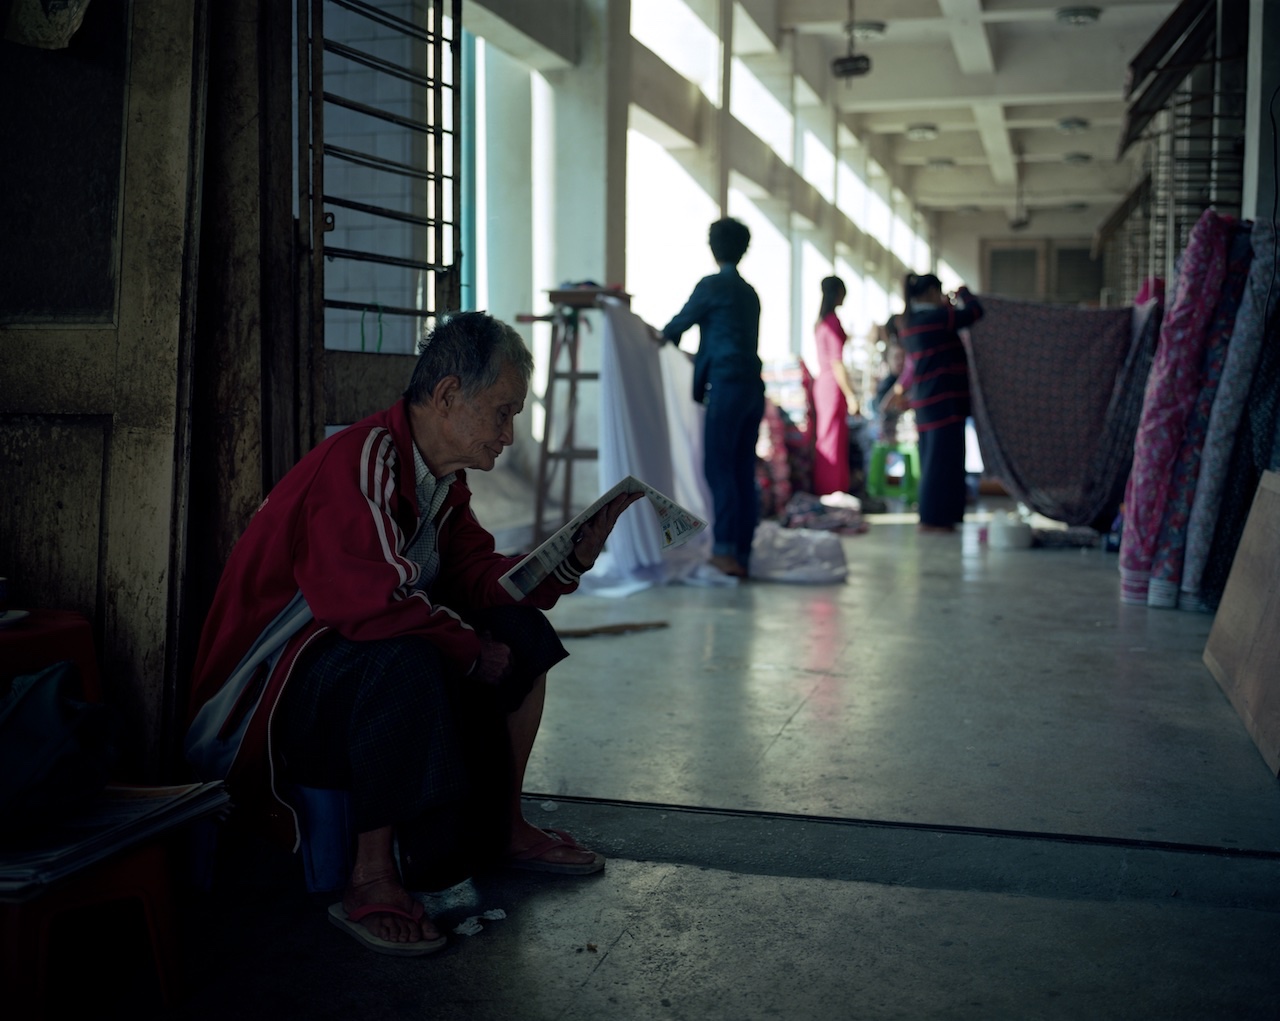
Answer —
(729, 239)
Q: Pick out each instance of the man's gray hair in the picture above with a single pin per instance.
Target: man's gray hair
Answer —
(475, 347)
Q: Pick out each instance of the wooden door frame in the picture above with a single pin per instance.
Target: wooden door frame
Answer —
(131, 377)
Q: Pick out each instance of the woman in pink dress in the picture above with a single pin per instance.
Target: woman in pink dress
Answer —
(833, 396)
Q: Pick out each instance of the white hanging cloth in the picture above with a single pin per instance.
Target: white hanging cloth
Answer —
(650, 428)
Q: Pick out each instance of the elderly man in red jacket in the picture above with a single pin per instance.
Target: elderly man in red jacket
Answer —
(361, 608)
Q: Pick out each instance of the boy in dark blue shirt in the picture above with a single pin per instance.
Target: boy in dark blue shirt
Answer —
(726, 377)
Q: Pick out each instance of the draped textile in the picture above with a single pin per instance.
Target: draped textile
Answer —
(1172, 386)
(1243, 352)
(1253, 452)
(1056, 397)
(651, 429)
(1167, 558)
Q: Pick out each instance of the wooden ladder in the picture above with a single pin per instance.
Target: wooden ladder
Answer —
(566, 327)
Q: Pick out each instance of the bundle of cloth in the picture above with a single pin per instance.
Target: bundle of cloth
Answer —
(1208, 427)
(1242, 440)
(1056, 395)
(648, 428)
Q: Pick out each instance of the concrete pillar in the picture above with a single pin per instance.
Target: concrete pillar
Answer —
(722, 118)
(590, 104)
(507, 209)
(1262, 101)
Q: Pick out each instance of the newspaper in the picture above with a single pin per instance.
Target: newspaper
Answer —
(120, 817)
(678, 527)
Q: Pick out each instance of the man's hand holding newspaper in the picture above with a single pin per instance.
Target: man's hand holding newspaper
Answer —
(588, 541)
(585, 535)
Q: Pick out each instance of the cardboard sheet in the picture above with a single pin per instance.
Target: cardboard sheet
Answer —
(1243, 650)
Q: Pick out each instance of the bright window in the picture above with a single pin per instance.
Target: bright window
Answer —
(855, 314)
(759, 110)
(767, 267)
(878, 216)
(682, 40)
(877, 301)
(819, 166)
(667, 254)
(851, 195)
(949, 277)
(904, 244)
(813, 267)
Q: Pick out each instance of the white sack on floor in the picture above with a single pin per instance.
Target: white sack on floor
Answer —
(803, 555)
(650, 428)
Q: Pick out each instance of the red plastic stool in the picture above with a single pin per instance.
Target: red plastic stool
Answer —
(25, 928)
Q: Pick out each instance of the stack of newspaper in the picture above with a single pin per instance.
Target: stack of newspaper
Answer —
(119, 818)
(677, 524)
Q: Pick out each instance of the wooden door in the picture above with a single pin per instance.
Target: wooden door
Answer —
(99, 189)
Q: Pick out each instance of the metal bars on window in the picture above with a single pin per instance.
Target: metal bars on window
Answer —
(379, 104)
(1192, 156)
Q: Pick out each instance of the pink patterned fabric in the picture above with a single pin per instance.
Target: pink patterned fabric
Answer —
(1167, 559)
(1228, 411)
(1171, 390)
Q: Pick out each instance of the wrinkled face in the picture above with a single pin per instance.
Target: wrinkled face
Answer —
(477, 429)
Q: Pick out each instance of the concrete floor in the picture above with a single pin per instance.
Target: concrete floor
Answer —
(967, 783)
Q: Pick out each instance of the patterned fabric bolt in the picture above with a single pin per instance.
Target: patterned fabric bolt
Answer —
(1171, 389)
(1229, 409)
(1252, 453)
(1167, 559)
(1056, 397)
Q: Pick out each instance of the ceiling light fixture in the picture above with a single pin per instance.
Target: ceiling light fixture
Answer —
(1078, 15)
(851, 65)
(1077, 158)
(1073, 125)
(940, 162)
(867, 31)
(921, 132)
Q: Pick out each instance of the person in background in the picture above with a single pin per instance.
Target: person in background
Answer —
(727, 378)
(939, 394)
(833, 396)
(889, 402)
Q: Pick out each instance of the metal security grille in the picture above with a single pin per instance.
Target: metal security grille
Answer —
(379, 105)
(1189, 120)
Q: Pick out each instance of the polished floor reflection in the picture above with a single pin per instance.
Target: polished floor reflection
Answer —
(944, 683)
(965, 784)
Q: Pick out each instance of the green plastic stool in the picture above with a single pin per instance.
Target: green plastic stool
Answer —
(878, 479)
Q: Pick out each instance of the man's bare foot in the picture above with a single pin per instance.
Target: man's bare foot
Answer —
(386, 888)
(525, 836)
(726, 564)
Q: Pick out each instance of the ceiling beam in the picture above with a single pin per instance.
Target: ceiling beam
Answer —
(1037, 71)
(545, 39)
(969, 36)
(831, 15)
(995, 140)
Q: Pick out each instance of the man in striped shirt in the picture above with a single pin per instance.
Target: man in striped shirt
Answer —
(939, 393)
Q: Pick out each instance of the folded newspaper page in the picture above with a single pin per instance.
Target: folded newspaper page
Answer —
(678, 526)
